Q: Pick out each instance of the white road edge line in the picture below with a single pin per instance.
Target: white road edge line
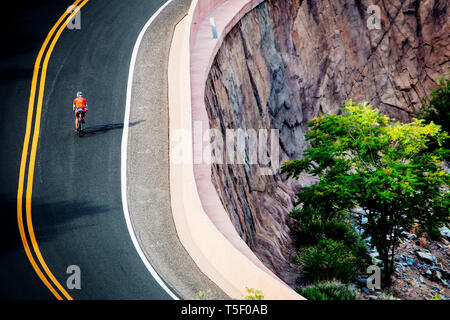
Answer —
(124, 155)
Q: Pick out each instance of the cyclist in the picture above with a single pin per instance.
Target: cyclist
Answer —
(79, 105)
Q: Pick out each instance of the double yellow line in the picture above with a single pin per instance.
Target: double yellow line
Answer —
(48, 279)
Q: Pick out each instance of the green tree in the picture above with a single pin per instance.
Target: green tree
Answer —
(363, 158)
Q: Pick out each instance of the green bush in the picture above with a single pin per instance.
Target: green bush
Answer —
(329, 260)
(253, 294)
(310, 227)
(313, 227)
(328, 291)
(361, 253)
(340, 230)
(313, 293)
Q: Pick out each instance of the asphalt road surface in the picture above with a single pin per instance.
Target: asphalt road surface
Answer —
(76, 204)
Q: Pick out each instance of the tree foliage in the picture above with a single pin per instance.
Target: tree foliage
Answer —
(363, 158)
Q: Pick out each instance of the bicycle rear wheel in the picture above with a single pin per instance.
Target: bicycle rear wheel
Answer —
(80, 127)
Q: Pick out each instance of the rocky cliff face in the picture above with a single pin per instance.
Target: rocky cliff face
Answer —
(286, 62)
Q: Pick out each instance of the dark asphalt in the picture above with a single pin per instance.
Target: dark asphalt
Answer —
(76, 206)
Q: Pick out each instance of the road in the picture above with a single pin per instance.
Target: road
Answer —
(76, 204)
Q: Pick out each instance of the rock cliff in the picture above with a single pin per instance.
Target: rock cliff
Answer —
(288, 61)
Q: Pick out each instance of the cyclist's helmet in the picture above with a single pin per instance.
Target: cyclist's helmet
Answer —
(79, 94)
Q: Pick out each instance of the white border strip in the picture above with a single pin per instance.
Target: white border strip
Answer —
(124, 155)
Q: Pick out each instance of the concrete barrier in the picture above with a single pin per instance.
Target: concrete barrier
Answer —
(202, 223)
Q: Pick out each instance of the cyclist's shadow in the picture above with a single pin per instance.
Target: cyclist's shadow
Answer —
(100, 129)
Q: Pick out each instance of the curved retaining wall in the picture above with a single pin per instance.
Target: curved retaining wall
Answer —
(202, 223)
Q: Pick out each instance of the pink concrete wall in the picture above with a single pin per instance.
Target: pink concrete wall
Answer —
(201, 220)
(201, 9)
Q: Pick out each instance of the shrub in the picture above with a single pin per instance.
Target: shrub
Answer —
(253, 294)
(340, 230)
(310, 226)
(313, 227)
(203, 295)
(328, 291)
(361, 253)
(329, 260)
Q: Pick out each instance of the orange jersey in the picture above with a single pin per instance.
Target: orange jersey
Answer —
(80, 102)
